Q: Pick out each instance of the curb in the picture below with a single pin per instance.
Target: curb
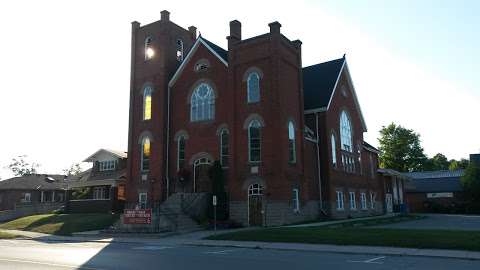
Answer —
(371, 250)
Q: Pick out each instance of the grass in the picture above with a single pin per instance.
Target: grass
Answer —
(61, 224)
(376, 221)
(4, 235)
(358, 233)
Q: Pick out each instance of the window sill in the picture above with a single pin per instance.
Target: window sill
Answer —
(207, 121)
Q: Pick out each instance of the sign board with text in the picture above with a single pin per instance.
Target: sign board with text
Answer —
(137, 216)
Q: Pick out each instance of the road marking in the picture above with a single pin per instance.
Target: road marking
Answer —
(50, 264)
(219, 252)
(152, 248)
(373, 260)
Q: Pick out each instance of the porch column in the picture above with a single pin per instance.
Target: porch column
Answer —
(41, 196)
(53, 196)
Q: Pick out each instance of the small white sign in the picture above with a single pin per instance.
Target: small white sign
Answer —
(144, 177)
(214, 200)
(440, 195)
(254, 169)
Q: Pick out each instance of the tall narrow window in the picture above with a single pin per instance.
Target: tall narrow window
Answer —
(180, 153)
(353, 202)
(142, 200)
(179, 50)
(340, 205)
(147, 103)
(254, 141)
(146, 151)
(372, 200)
(296, 200)
(149, 52)
(359, 152)
(202, 103)
(363, 201)
(253, 87)
(291, 143)
(334, 151)
(224, 153)
(345, 132)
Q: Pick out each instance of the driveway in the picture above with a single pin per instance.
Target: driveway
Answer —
(439, 222)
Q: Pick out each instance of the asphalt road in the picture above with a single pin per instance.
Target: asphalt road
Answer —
(26, 254)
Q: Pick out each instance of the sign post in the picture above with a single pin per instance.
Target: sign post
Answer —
(214, 213)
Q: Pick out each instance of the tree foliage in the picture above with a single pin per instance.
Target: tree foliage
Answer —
(20, 166)
(458, 164)
(471, 186)
(400, 149)
(74, 169)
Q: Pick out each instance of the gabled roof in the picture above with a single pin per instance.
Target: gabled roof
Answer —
(115, 153)
(319, 85)
(220, 53)
(370, 147)
(319, 81)
(34, 182)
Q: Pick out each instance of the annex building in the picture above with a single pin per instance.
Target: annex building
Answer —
(289, 137)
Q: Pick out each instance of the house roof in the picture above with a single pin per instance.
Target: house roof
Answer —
(319, 82)
(436, 181)
(86, 178)
(219, 50)
(370, 147)
(34, 182)
(115, 153)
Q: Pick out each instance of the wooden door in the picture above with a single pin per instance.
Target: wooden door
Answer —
(255, 204)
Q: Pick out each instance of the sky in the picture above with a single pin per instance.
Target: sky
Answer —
(64, 65)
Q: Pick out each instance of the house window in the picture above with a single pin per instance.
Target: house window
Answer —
(340, 205)
(334, 151)
(372, 200)
(98, 193)
(296, 200)
(26, 197)
(253, 88)
(224, 154)
(107, 165)
(372, 167)
(363, 201)
(353, 203)
(345, 132)
(142, 200)
(146, 151)
(149, 52)
(181, 153)
(179, 50)
(291, 143)
(202, 103)
(254, 141)
(147, 103)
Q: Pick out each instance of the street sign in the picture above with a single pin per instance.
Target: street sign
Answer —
(214, 200)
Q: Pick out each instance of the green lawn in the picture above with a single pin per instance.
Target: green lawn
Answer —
(61, 224)
(354, 233)
(4, 235)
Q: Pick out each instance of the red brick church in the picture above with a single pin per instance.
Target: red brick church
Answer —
(289, 138)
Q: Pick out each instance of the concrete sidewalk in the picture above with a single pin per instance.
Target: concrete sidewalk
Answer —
(374, 250)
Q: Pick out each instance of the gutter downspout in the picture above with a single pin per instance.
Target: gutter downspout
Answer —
(318, 164)
(167, 171)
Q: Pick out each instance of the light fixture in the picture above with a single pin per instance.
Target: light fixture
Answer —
(149, 52)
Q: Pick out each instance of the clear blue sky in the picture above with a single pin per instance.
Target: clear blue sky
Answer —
(65, 66)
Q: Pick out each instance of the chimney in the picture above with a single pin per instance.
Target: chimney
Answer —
(235, 33)
(165, 15)
(275, 27)
(297, 44)
(193, 30)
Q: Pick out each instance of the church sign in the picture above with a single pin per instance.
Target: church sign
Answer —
(137, 216)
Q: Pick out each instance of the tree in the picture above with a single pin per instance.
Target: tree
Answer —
(20, 167)
(457, 165)
(74, 169)
(437, 163)
(400, 149)
(471, 186)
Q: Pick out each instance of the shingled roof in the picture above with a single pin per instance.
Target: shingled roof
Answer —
(436, 181)
(319, 82)
(219, 50)
(34, 182)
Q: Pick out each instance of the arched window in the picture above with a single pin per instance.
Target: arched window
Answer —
(147, 103)
(334, 151)
(224, 153)
(179, 50)
(253, 88)
(345, 132)
(180, 153)
(149, 52)
(254, 141)
(255, 189)
(146, 152)
(291, 143)
(202, 103)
